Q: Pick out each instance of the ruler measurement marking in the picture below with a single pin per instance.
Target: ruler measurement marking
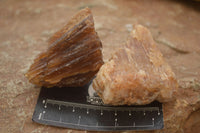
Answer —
(101, 107)
(40, 115)
(67, 123)
(73, 110)
(158, 112)
(115, 123)
(115, 113)
(153, 121)
(79, 120)
(101, 112)
(129, 113)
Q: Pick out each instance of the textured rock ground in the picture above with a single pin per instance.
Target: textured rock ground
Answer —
(26, 25)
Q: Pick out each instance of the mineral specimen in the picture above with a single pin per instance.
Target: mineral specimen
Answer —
(73, 57)
(136, 73)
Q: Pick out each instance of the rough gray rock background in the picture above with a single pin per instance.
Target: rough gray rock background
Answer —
(26, 25)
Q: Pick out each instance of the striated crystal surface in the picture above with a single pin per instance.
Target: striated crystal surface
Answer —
(136, 73)
(73, 57)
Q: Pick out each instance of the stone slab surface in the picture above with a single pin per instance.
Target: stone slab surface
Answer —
(26, 25)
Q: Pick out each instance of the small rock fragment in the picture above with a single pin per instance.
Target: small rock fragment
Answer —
(136, 73)
(74, 55)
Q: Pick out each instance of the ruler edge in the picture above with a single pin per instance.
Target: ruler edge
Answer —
(96, 129)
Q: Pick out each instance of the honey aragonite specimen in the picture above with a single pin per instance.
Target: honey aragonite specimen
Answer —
(73, 57)
(136, 73)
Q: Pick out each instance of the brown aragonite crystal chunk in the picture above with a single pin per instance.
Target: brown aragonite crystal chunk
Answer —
(73, 57)
(136, 73)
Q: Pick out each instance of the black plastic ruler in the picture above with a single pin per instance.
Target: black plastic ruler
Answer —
(81, 108)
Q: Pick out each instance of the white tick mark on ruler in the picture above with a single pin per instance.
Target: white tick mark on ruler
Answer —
(153, 121)
(115, 113)
(40, 115)
(79, 119)
(115, 123)
(158, 112)
(101, 112)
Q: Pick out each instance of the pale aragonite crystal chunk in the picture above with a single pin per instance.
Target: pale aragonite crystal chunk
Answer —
(136, 73)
